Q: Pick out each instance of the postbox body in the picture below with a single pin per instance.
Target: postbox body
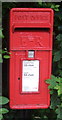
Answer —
(31, 57)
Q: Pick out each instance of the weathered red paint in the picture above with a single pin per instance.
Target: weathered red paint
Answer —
(30, 29)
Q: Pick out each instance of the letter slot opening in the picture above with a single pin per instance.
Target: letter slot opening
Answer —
(17, 29)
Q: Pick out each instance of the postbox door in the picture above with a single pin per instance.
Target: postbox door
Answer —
(25, 94)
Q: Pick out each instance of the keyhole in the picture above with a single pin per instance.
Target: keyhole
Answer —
(18, 78)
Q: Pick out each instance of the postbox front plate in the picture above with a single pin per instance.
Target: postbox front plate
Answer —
(31, 56)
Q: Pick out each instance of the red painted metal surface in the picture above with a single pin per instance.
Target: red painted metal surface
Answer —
(30, 29)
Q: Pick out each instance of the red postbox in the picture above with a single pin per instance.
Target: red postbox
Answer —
(31, 56)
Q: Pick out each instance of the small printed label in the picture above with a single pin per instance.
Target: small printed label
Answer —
(30, 76)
